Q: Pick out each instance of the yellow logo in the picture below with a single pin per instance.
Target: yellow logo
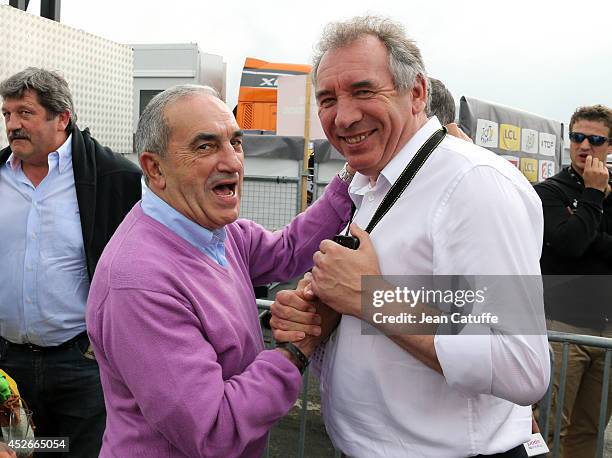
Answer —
(529, 167)
(509, 137)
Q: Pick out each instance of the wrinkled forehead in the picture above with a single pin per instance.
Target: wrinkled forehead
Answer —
(25, 97)
(200, 113)
(591, 127)
(364, 58)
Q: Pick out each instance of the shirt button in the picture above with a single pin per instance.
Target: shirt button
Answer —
(29, 300)
(370, 197)
(33, 236)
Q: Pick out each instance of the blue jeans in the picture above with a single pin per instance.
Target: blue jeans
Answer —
(62, 389)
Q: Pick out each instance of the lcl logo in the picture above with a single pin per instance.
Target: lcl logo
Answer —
(510, 135)
(529, 167)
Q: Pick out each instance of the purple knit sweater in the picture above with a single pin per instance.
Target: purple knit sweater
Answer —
(177, 336)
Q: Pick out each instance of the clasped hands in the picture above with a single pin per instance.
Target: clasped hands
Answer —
(311, 312)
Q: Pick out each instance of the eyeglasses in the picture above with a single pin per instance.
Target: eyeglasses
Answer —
(594, 140)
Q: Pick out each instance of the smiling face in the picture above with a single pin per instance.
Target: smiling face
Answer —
(580, 151)
(201, 173)
(31, 134)
(362, 114)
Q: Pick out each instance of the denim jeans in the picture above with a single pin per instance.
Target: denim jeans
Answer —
(62, 389)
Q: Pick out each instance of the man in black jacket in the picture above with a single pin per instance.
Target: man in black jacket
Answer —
(577, 259)
(63, 195)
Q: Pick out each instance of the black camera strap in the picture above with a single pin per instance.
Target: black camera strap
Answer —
(407, 176)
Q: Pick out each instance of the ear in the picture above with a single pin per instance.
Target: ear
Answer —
(151, 165)
(62, 120)
(419, 95)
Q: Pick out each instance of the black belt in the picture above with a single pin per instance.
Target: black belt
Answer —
(517, 452)
(38, 348)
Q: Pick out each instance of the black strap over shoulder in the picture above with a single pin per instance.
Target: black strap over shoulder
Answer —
(407, 176)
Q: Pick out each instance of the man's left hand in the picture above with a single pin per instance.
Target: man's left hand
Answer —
(337, 272)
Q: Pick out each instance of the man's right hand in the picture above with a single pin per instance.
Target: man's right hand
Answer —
(595, 174)
(299, 318)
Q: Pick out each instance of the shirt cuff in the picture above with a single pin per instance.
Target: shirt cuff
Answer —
(466, 362)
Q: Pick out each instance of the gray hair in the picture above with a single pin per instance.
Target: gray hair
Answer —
(153, 132)
(405, 61)
(50, 87)
(442, 102)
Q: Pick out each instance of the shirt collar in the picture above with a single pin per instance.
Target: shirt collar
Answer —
(200, 237)
(361, 183)
(64, 154)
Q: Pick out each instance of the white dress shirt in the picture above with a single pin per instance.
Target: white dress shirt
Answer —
(467, 211)
(45, 280)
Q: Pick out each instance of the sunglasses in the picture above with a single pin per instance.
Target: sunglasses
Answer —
(594, 140)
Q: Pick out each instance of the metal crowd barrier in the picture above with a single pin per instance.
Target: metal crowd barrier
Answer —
(270, 201)
(545, 410)
(263, 306)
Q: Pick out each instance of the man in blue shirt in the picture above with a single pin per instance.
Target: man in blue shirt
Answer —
(62, 196)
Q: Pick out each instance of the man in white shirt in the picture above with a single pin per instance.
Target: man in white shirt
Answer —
(466, 212)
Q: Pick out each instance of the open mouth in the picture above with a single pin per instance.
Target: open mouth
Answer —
(227, 189)
(356, 139)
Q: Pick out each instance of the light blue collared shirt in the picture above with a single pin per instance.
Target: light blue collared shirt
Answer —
(211, 243)
(42, 258)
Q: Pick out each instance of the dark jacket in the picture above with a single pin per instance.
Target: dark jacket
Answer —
(107, 187)
(577, 242)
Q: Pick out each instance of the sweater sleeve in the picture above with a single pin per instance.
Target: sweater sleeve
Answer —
(570, 232)
(155, 344)
(287, 253)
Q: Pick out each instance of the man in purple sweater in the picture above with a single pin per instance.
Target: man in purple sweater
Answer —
(171, 313)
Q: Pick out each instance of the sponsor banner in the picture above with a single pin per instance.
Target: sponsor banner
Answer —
(529, 141)
(514, 160)
(509, 131)
(546, 169)
(529, 167)
(486, 133)
(548, 142)
(262, 80)
(509, 137)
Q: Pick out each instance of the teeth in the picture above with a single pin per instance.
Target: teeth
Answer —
(227, 191)
(353, 140)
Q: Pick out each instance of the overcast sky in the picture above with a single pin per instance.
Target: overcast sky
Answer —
(546, 57)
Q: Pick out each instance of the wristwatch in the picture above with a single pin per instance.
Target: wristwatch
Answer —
(345, 175)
